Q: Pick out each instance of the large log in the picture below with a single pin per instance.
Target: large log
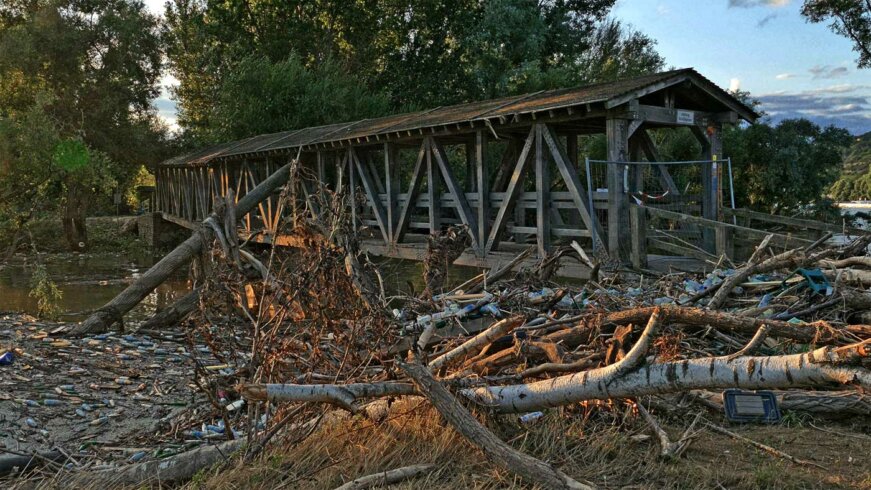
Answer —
(114, 310)
(822, 367)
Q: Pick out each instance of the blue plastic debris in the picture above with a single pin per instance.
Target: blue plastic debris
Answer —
(751, 406)
(32, 423)
(7, 358)
(137, 456)
(766, 299)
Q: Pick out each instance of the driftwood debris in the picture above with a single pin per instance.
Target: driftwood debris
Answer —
(114, 310)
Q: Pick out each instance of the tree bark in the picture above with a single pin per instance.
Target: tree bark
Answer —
(821, 367)
(497, 451)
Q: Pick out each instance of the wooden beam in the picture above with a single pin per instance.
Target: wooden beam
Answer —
(391, 180)
(483, 186)
(515, 185)
(432, 190)
(506, 165)
(413, 191)
(569, 173)
(372, 195)
(542, 193)
(463, 208)
(618, 214)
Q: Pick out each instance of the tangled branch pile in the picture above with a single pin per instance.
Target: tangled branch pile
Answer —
(314, 324)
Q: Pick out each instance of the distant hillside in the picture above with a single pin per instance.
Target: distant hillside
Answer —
(855, 181)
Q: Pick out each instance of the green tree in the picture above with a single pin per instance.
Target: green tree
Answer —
(264, 97)
(849, 18)
(785, 167)
(417, 53)
(88, 70)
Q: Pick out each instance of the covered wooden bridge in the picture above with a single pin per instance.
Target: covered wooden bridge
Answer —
(510, 169)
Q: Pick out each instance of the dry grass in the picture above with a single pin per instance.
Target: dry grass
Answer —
(597, 446)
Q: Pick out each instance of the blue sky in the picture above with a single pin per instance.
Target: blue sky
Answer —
(764, 46)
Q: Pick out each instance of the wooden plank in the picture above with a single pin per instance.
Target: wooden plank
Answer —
(618, 213)
(352, 187)
(573, 183)
(391, 181)
(542, 194)
(432, 190)
(371, 195)
(483, 186)
(463, 208)
(638, 222)
(413, 191)
(514, 188)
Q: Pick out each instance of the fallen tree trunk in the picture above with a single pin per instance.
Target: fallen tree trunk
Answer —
(389, 477)
(821, 367)
(176, 469)
(175, 313)
(824, 402)
(530, 469)
(344, 396)
(114, 310)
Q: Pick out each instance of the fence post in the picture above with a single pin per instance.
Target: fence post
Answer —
(723, 239)
(638, 227)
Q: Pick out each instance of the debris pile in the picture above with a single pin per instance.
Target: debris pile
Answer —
(275, 333)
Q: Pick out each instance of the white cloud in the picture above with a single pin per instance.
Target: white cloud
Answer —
(785, 76)
(827, 71)
(734, 84)
(662, 10)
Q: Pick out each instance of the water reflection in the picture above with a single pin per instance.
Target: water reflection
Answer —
(90, 281)
(87, 282)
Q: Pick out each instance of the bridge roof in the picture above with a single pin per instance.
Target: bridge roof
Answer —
(469, 116)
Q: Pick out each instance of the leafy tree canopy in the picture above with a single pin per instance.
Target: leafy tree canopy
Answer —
(413, 53)
(784, 167)
(77, 78)
(849, 18)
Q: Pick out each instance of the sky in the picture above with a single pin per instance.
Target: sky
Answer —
(795, 68)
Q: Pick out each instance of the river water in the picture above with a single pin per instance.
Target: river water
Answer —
(88, 281)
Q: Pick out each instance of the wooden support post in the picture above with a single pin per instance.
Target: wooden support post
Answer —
(712, 146)
(432, 189)
(542, 193)
(617, 131)
(471, 183)
(515, 186)
(574, 219)
(482, 178)
(413, 192)
(321, 168)
(638, 223)
(723, 239)
(372, 195)
(352, 187)
(573, 184)
(391, 179)
(463, 208)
